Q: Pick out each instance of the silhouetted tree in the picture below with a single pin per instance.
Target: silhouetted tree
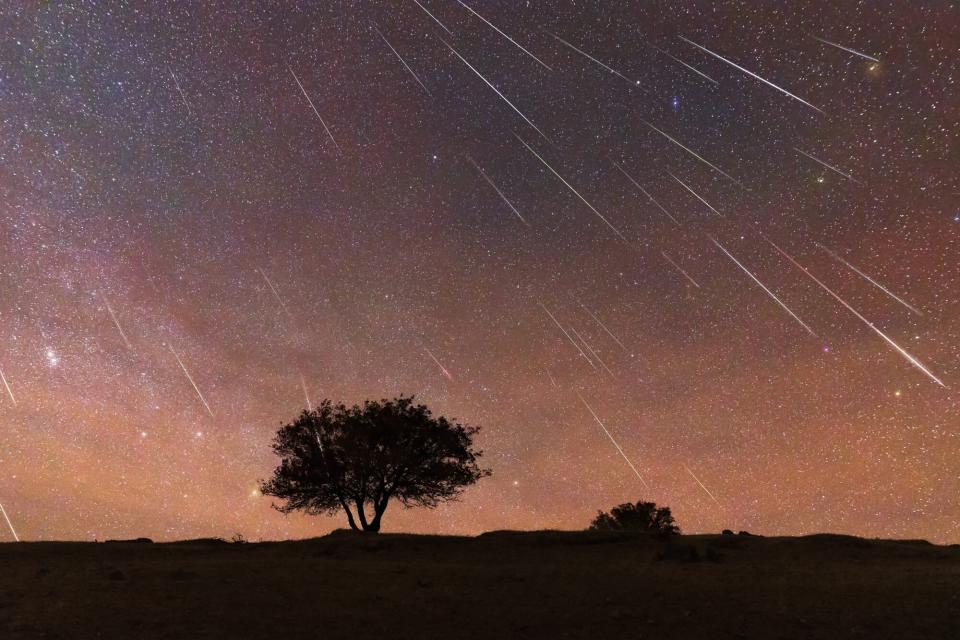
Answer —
(354, 458)
(642, 516)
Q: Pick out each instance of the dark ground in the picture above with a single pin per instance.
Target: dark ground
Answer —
(498, 585)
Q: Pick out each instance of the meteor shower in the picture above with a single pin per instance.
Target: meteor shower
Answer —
(479, 319)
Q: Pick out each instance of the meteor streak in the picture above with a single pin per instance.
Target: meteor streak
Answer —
(303, 385)
(497, 189)
(182, 95)
(442, 368)
(832, 168)
(695, 195)
(426, 11)
(903, 352)
(594, 353)
(195, 387)
(872, 281)
(569, 337)
(602, 326)
(695, 70)
(695, 154)
(276, 294)
(403, 62)
(312, 106)
(7, 387)
(9, 524)
(497, 91)
(590, 57)
(575, 192)
(840, 46)
(515, 43)
(644, 192)
(113, 317)
(599, 422)
(764, 287)
(680, 269)
(752, 74)
(701, 484)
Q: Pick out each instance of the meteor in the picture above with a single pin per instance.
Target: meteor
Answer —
(701, 484)
(182, 95)
(872, 281)
(694, 154)
(427, 11)
(696, 71)
(832, 168)
(764, 287)
(497, 91)
(590, 57)
(497, 189)
(903, 352)
(312, 106)
(195, 387)
(594, 353)
(276, 294)
(602, 326)
(116, 322)
(599, 422)
(403, 62)
(7, 387)
(515, 43)
(442, 368)
(847, 49)
(695, 195)
(9, 524)
(752, 74)
(644, 192)
(680, 269)
(303, 385)
(572, 341)
(575, 192)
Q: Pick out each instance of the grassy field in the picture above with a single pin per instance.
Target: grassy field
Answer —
(498, 585)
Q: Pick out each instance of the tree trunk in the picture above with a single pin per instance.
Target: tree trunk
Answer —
(350, 520)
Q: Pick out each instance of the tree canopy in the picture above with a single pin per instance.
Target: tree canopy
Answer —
(357, 458)
(642, 516)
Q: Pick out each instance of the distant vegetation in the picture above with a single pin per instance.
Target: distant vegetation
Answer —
(357, 459)
(642, 516)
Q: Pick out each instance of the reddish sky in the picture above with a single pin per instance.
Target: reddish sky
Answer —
(159, 163)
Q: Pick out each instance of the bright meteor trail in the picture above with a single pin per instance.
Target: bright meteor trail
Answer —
(599, 422)
(848, 49)
(764, 287)
(679, 268)
(312, 106)
(497, 91)
(569, 337)
(752, 74)
(903, 352)
(694, 154)
(644, 192)
(575, 192)
(403, 62)
(116, 322)
(831, 167)
(497, 189)
(695, 194)
(872, 281)
(190, 378)
(427, 11)
(515, 43)
(442, 368)
(590, 57)
(7, 387)
(9, 524)
(701, 484)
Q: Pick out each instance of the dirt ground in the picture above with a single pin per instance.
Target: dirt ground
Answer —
(498, 585)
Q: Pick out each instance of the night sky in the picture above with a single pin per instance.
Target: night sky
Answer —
(214, 213)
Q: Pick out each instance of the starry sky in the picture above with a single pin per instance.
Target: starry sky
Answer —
(703, 253)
